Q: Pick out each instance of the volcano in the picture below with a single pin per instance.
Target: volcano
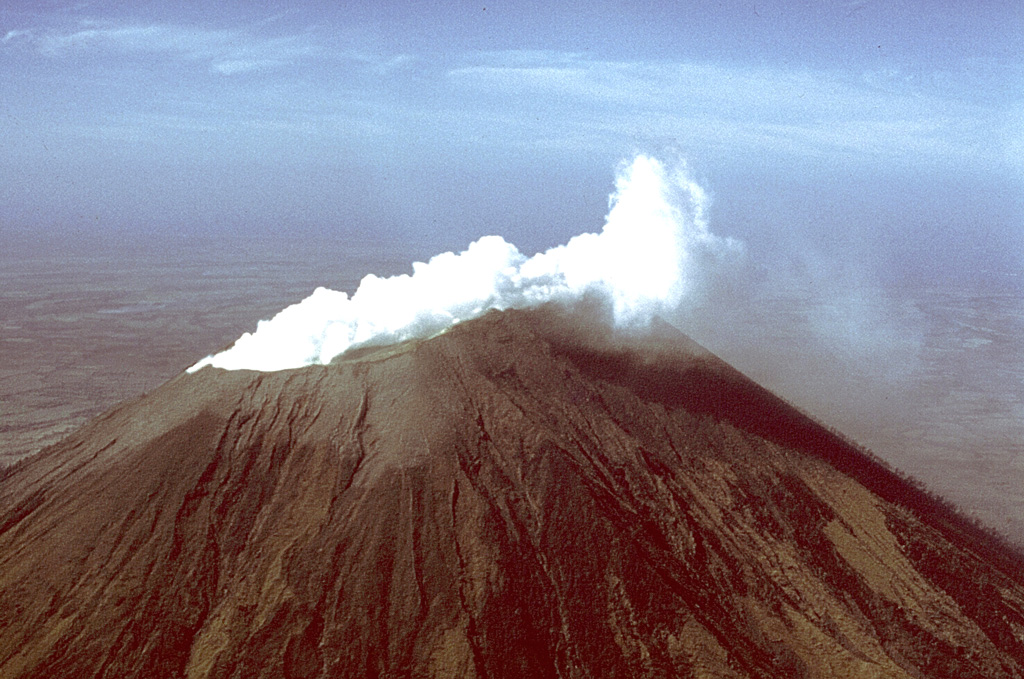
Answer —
(523, 495)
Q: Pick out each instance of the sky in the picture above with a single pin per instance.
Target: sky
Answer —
(889, 131)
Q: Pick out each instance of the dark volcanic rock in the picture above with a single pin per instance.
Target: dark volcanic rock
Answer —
(503, 500)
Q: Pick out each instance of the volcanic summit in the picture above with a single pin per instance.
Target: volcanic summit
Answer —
(520, 496)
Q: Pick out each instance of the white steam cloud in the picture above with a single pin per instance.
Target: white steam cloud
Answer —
(650, 256)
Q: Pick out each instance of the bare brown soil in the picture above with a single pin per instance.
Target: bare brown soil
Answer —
(516, 497)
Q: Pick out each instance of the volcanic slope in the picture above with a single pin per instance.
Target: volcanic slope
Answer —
(506, 499)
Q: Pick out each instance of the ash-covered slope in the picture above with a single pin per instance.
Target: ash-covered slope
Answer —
(503, 500)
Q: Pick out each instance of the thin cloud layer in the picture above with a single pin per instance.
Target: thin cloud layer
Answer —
(793, 111)
(552, 99)
(226, 51)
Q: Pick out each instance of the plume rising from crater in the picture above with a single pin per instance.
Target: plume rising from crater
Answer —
(649, 257)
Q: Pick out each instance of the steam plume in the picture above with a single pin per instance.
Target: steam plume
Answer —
(647, 259)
